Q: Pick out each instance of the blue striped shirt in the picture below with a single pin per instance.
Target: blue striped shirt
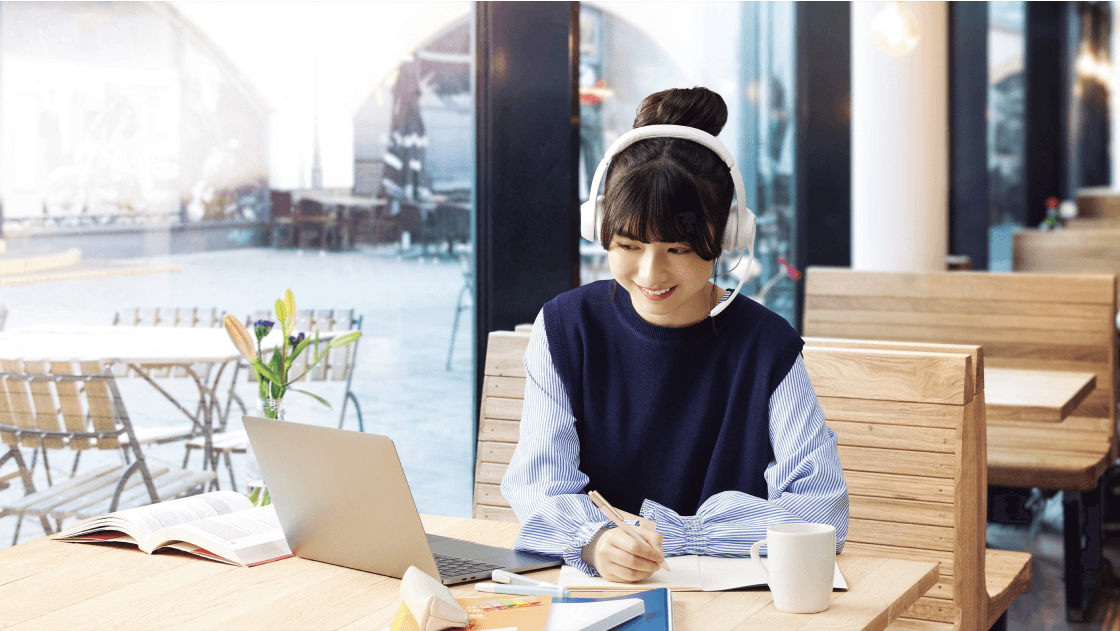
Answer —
(545, 487)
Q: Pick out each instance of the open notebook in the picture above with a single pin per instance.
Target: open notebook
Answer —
(690, 573)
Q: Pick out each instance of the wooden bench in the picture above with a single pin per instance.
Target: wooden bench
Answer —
(909, 420)
(1083, 250)
(922, 503)
(1026, 321)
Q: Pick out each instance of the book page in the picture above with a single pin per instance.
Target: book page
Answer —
(142, 521)
(247, 537)
(718, 574)
(684, 576)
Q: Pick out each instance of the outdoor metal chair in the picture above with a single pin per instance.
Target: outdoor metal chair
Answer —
(338, 366)
(466, 292)
(64, 409)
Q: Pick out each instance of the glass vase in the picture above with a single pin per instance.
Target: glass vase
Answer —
(254, 481)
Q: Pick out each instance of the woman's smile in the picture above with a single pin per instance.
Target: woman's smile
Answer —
(658, 294)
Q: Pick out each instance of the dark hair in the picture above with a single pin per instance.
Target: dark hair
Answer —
(670, 189)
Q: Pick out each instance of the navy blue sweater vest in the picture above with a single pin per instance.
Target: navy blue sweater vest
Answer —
(674, 415)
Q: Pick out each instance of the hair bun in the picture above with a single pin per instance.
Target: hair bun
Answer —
(692, 107)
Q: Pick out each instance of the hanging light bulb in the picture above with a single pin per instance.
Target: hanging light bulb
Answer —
(1086, 63)
(894, 30)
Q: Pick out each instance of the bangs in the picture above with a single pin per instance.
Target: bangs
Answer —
(659, 202)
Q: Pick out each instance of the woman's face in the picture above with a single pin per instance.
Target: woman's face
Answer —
(644, 268)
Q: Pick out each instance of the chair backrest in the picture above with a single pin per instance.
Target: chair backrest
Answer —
(503, 395)
(194, 317)
(909, 420)
(1098, 202)
(339, 361)
(281, 204)
(54, 406)
(1030, 321)
(1080, 251)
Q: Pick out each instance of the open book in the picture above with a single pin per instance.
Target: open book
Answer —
(689, 573)
(222, 525)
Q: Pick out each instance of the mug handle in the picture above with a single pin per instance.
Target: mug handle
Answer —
(754, 549)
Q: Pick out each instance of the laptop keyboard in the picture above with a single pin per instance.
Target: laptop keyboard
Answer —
(450, 566)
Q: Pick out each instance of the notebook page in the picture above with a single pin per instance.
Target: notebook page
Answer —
(685, 576)
(718, 574)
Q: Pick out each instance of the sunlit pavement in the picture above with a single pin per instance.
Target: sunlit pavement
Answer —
(401, 382)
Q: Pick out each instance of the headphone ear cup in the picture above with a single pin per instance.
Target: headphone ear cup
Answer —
(746, 238)
(736, 238)
(591, 218)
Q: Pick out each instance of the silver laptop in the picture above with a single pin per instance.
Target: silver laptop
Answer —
(342, 498)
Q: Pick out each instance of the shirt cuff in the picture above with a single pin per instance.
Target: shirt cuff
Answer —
(587, 532)
(681, 535)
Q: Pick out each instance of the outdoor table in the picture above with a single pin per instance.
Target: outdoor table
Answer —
(143, 348)
(55, 585)
(1046, 396)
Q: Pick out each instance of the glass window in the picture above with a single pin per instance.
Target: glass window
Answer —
(1006, 110)
(214, 154)
(743, 51)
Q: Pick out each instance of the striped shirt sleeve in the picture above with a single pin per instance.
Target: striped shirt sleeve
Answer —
(544, 485)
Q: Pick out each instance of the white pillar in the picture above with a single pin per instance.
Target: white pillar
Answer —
(900, 144)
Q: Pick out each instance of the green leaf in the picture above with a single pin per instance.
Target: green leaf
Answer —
(300, 348)
(264, 372)
(267, 498)
(344, 339)
(254, 495)
(313, 396)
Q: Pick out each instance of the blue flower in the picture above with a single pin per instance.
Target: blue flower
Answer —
(261, 328)
(295, 340)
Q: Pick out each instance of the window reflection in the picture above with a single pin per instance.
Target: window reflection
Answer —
(1006, 110)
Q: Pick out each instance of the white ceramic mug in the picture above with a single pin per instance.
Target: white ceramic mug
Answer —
(800, 559)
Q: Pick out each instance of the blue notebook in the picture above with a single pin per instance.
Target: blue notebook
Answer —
(657, 617)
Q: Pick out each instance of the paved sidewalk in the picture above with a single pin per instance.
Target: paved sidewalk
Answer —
(401, 382)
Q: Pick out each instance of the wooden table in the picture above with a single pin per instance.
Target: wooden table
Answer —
(47, 584)
(1046, 396)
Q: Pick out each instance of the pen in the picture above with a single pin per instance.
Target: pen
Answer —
(613, 515)
(502, 576)
(523, 590)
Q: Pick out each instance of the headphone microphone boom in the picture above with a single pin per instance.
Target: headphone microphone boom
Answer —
(739, 233)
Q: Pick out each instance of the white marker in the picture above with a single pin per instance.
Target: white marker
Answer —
(523, 590)
(502, 576)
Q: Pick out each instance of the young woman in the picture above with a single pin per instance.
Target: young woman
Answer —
(706, 427)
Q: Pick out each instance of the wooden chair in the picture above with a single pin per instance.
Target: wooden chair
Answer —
(1056, 322)
(909, 419)
(503, 394)
(338, 366)
(65, 409)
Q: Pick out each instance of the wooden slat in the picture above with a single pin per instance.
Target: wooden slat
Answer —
(490, 451)
(7, 414)
(898, 461)
(1052, 342)
(900, 511)
(495, 513)
(983, 286)
(891, 412)
(890, 375)
(973, 351)
(69, 403)
(490, 495)
(1008, 574)
(19, 397)
(42, 395)
(503, 409)
(904, 487)
(505, 354)
(933, 609)
(1076, 313)
(499, 431)
(887, 436)
(504, 387)
(101, 410)
(489, 473)
(1085, 328)
(912, 536)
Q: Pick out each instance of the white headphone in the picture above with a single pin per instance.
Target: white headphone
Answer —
(739, 232)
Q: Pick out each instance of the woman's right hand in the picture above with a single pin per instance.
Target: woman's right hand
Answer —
(619, 558)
